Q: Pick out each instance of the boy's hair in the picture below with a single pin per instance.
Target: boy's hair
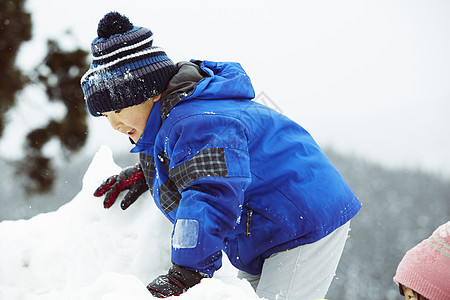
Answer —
(126, 69)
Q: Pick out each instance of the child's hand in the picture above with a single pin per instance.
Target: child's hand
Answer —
(131, 178)
(177, 281)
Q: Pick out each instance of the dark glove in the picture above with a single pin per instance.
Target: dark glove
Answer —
(131, 178)
(177, 281)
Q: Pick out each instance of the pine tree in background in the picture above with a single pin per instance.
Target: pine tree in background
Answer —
(59, 74)
(15, 29)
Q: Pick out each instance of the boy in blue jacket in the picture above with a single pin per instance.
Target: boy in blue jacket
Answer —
(232, 175)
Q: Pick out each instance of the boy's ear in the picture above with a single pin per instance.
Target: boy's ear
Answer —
(156, 98)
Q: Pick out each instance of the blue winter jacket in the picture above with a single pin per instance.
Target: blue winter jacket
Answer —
(234, 175)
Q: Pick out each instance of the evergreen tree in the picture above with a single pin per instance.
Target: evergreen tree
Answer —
(59, 74)
(15, 29)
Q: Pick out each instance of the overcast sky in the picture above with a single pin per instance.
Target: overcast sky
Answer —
(370, 78)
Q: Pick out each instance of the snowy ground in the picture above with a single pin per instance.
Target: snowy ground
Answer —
(83, 251)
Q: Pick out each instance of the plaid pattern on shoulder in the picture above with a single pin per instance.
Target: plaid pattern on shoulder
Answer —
(208, 162)
(148, 166)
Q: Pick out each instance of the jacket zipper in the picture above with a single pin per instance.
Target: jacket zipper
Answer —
(248, 223)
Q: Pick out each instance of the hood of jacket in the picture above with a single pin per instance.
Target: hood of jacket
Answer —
(206, 80)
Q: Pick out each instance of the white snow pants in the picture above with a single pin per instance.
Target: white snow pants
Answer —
(301, 273)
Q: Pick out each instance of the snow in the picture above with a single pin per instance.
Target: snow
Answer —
(83, 251)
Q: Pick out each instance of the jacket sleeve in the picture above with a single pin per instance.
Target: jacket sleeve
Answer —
(211, 169)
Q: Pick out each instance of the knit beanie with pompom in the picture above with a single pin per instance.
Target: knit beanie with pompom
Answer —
(126, 69)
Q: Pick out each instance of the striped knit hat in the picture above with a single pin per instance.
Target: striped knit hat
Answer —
(126, 69)
(425, 268)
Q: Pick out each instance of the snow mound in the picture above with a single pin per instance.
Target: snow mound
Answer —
(83, 251)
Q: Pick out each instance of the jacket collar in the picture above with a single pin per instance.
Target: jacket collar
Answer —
(181, 85)
(147, 140)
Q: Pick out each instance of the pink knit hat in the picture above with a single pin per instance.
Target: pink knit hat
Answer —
(426, 268)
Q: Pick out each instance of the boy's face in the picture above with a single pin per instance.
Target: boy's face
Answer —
(131, 121)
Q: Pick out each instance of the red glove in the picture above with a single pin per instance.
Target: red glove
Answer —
(131, 178)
